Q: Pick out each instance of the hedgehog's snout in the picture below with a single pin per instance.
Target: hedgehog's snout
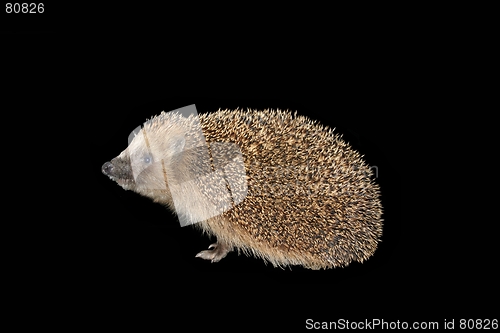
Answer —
(107, 168)
(118, 169)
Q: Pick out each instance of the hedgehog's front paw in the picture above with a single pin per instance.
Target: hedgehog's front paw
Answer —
(217, 252)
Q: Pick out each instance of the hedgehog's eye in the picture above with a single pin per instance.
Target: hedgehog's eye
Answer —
(147, 159)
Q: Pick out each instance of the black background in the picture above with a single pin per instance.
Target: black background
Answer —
(138, 243)
(83, 249)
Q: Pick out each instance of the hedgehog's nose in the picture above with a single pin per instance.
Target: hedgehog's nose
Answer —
(107, 168)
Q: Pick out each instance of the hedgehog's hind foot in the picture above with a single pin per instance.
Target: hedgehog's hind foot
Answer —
(215, 252)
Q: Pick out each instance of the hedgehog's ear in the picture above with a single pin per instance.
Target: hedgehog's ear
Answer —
(177, 144)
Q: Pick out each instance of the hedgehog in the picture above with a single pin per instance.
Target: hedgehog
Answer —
(269, 183)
